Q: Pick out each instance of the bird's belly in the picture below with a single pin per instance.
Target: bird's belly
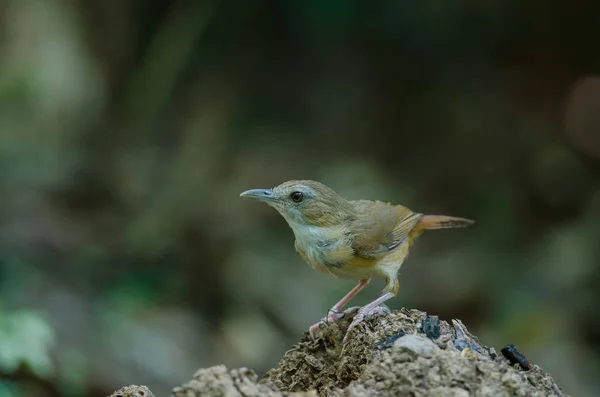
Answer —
(357, 268)
(360, 268)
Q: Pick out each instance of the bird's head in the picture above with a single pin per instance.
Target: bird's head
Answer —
(304, 203)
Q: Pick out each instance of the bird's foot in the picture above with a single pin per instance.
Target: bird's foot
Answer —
(332, 316)
(361, 315)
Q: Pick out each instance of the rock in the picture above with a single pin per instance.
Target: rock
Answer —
(219, 381)
(133, 391)
(412, 365)
(386, 356)
(417, 345)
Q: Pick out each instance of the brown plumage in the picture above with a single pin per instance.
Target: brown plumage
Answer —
(358, 239)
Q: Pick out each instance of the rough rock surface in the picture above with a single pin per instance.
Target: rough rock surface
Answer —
(133, 391)
(219, 381)
(401, 353)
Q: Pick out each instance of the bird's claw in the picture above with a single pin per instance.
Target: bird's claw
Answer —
(361, 315)
(324, 321)
(332, 316)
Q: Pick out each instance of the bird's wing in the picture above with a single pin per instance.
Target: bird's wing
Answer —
(380, 227)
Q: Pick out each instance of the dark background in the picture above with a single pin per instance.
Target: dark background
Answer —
(129, 128)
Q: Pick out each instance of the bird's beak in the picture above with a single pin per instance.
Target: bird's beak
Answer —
(260, 195)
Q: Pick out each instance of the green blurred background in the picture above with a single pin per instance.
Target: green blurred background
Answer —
(129, 128)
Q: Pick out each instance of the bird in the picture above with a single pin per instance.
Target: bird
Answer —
(350, 239)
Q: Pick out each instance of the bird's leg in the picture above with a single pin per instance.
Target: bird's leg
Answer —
(369, 309)
(335, 312)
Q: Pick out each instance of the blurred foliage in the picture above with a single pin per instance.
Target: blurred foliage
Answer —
(25, 339)
(128, 130)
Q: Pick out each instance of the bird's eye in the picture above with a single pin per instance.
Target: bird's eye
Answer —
(296, 197)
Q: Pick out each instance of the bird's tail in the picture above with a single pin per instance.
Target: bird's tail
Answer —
(431, 222)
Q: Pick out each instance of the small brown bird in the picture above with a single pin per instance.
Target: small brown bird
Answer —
(358, 239)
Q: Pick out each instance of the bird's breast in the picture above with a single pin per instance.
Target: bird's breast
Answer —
(323, 248)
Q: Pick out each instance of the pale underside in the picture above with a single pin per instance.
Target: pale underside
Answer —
(375, 244)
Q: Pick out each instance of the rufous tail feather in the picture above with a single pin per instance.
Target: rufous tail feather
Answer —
(432, 222)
